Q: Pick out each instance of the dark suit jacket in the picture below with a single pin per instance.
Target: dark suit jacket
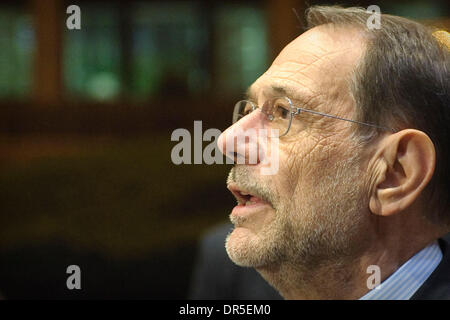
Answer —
(437, 286)
(217, 277)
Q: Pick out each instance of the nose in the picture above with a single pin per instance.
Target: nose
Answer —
(242, 142)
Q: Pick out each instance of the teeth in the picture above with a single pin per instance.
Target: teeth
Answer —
(248, 203)
(245, 194)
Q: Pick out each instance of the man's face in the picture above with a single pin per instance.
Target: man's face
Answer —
(315, 206)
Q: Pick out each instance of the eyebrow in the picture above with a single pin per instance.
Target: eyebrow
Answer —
(279, 90)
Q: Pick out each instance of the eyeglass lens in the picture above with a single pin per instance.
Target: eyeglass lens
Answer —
(277, 114)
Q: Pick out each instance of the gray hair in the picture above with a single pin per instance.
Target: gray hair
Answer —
(402, 81)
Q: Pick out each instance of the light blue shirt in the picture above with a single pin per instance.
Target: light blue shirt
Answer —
(407, 279)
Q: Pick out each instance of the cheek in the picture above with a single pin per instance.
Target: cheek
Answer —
(306, 163)
(298, 162)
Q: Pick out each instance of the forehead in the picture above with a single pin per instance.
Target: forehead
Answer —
(317, 63)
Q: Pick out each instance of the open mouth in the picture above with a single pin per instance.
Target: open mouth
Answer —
(245, 198)
(248, 203)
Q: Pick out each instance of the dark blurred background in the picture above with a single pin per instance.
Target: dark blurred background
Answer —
(86, 118)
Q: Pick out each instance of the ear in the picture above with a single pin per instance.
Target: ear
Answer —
(404, 164)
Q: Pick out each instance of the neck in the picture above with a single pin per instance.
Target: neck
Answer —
(339, 280)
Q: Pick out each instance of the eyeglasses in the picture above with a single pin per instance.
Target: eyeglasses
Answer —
(279, 112)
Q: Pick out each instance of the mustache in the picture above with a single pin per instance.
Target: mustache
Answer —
(241, 176)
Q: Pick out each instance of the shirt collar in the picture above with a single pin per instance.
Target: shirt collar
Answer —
(407, 279)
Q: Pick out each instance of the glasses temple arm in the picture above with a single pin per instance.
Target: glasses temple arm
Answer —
(336, 117)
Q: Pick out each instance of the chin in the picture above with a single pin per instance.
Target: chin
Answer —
(243, 247)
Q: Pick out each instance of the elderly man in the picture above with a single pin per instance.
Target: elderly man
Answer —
(362, 188)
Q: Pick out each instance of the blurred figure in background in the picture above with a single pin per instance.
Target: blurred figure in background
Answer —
(217, 277)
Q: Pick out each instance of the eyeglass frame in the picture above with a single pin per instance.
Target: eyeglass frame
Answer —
(298, 110)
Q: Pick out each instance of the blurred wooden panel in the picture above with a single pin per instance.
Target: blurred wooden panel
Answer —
(286, 22)
(48, 15)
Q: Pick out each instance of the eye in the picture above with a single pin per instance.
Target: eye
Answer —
(248, 108)
(281, 110)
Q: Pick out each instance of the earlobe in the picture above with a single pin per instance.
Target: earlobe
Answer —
(404, 166)
(375, 206)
